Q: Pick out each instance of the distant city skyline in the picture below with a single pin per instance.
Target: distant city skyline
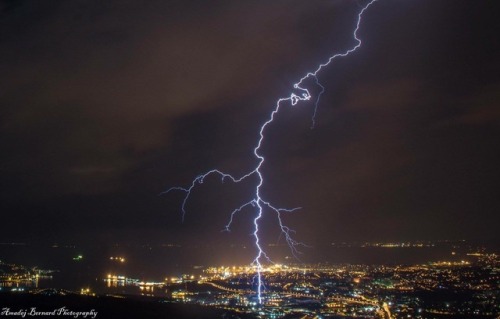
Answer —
(462, 284)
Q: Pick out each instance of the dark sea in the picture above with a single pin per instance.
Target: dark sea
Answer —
(156, 262)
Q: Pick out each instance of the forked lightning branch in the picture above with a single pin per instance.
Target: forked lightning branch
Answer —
(257, 200)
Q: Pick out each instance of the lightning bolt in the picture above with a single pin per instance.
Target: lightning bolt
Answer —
(257, 202)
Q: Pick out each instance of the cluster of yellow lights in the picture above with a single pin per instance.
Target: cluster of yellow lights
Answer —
(451, 263)
(182, 278)
(86, 291)
(233, 270)
(120, 259)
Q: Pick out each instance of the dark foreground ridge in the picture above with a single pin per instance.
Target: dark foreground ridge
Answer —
(12, 305)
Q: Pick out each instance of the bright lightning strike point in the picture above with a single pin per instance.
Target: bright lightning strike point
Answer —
(257, 201)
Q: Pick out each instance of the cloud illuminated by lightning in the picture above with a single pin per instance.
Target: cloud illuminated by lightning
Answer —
(257, 201)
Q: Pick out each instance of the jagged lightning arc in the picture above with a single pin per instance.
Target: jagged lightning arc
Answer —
(257, 201)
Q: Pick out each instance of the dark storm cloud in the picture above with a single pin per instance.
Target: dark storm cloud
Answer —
(89, 87)
(405, 142)
(482, 108)
(106, 104)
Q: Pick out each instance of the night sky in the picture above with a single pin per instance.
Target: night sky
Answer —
(104, 105)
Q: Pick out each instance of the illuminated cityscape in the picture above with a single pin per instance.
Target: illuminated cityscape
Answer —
(462, 285)
(350, 291)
